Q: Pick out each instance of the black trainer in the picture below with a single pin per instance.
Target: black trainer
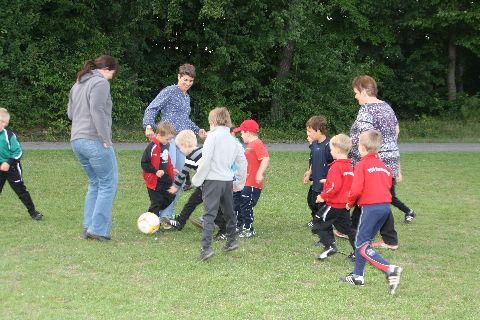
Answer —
(350, 278)
(36, 215)
(230, 246)
(206, 254)
(329, 250)
(220, 236)
(97, 237)
(410, 216)
(175, 223)
(394, 279)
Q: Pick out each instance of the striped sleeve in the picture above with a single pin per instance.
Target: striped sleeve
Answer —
(191, 163)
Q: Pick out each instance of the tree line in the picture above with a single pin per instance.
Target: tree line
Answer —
(277, 61)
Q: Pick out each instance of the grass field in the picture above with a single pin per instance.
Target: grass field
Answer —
(48, 272)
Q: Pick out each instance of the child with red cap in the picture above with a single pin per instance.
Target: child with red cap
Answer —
(257, 159)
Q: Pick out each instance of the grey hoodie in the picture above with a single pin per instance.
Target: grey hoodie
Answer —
(90, 108)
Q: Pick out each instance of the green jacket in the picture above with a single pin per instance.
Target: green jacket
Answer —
(10, 150)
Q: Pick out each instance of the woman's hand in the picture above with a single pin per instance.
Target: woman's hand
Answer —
(160, 173)
(202, 134)
(149, 132)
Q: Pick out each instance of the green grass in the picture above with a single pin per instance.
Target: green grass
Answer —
(48, 272)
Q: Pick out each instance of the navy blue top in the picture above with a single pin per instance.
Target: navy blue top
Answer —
(321, 158)
(174, 107)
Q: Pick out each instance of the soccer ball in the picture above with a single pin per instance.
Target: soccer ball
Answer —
(148, 223)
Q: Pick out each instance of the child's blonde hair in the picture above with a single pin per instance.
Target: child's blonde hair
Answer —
(220, 117)
(165, 129)
(4, 115)
(371, 140)
(186, 138)
(342, 142)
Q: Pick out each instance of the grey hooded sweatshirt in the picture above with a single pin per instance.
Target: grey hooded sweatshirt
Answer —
(90, 108)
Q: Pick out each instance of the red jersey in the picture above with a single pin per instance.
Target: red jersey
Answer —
(156, 157)
(254, 152)
(338, 183)
(371, 183)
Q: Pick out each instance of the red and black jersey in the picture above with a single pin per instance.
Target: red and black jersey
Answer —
(338, 183)
(156, 157)
(371, 183)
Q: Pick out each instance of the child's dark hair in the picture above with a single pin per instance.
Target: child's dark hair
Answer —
(101, 62)
(318, 123)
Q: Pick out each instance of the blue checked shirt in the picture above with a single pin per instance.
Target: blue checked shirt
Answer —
(174, 107)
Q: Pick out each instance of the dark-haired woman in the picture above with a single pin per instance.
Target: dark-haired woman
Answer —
(173, 104)
(90, 109)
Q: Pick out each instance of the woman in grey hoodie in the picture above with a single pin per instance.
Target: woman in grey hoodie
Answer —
(90, 109)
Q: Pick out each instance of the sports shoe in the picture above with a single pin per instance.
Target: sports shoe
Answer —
(383, 245)
(410, 216)
(329, 250)
(36, 215)
(97, 237)
(165, 223)
(350, 278)
(338, 234)
(247, 233)
(394, 279)
(175, 223)
(220, 236)
(206, 254)
(230, 246)
(84, 234)
(197, 223)
(351, 257)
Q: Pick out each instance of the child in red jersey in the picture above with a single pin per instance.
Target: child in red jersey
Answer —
(257, 158)
(335, 195)
(158, 169)
(371, 190)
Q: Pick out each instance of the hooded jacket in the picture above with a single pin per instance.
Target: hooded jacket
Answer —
(90, 108)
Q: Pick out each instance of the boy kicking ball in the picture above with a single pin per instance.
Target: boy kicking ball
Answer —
(371, 190)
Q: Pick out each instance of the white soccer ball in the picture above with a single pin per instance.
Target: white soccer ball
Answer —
(148, 223)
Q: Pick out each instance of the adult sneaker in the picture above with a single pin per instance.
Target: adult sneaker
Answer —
(410, 216)
(84, 234)
(338, 234)
(165, 223)
(247, 233)
(97, 237)
(206, 254)
(350, 278)
(329, 250)
(230, 246)
(383, 245)
(394, 278)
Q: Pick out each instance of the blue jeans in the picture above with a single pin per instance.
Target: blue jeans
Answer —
(178, 160)
(371, 220)
(101, 168)
(250, 196)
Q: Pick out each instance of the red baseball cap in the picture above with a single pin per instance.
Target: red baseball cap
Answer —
(247, 125)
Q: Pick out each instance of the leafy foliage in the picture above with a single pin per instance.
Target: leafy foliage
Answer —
(277, 61)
